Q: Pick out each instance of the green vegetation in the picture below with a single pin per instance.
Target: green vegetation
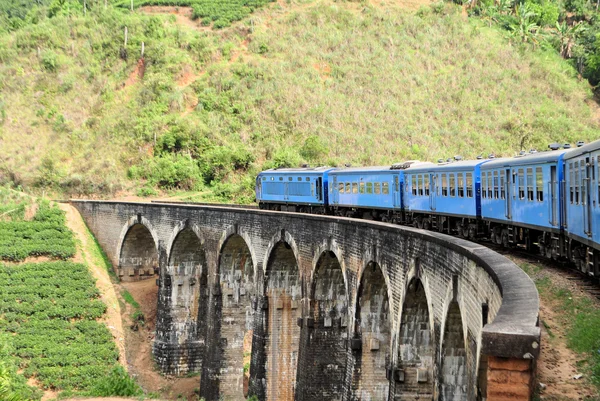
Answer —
(204, 110)
(51, 308)
(580, 316)
(569, 27)
(45, 235)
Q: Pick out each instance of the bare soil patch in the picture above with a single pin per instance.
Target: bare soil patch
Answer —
(139, 340)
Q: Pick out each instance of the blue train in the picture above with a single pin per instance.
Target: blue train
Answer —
(546, 202)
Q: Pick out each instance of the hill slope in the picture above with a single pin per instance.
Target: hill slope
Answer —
(317, 82)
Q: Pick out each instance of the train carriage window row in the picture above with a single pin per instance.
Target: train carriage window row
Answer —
(369, 188)
(529, 184)
(452, 184)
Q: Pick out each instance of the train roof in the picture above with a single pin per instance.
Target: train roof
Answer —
(528, 158)
(367, 169)
(450, 166)
(297, 170)
(576, 152)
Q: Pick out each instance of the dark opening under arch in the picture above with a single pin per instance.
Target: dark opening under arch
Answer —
(415, 345)
(453, 372)
(139, 257)
(372, 327)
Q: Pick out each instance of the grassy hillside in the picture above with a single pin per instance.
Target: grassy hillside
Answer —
(317, 82)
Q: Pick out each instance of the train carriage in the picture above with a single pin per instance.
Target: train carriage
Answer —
(294, 189)
(520, 201)
(581, 206)
(443, 197)
(370, 192)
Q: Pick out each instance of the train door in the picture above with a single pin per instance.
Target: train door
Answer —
(319, 189)
(396, 191)
(333, 191)
(286, 191)
(586, 174)
(432, 189)
(553, 193)
(510, 187)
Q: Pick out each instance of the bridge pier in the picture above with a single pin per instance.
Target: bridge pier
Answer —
(324, 307)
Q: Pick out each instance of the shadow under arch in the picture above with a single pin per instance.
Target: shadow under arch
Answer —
(323, 357)
(453, 368)
(281, 309)
(138, 251)
(413, 377)
(372, 336)
(236, 299)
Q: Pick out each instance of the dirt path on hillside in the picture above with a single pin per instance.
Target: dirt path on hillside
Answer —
(558, 364)
(112, 318)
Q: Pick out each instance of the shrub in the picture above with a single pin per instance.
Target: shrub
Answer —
(169, 171)
(313, 149)
(49, 61)
(118, 383)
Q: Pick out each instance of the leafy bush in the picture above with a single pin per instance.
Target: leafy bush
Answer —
(169, 171)
(118, 383)
(313, 149)
(545, 13)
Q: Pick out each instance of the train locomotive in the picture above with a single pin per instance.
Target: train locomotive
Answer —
(543, 202)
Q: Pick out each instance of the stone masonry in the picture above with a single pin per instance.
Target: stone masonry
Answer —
(289, 306)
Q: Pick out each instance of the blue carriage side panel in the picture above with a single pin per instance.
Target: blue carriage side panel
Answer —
(582, 194)
(365, 187)
(523, 191)
(295, 186)
(447, 189)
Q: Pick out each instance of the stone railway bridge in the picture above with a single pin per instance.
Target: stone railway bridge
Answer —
(290, 306)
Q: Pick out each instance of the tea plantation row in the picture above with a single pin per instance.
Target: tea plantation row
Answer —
(46, 234)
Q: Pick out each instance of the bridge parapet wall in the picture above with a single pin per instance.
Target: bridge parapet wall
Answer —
(308, 277)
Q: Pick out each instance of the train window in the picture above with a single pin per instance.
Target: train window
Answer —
(460, 185)
(438, 180)
(361, 187)
(469, 185)
(452, 185)
(307, 178)
(420, 185)
(264, 178)
(280, 178)
(354, 188)
(272, 178)
(312, 189)
(530, 184)
(369, 187)
(347, 187)
(444, 185)
(290, 178)
(495, 183)
(426, 184)
(576, 182)
(414, 184)
(396, 184)
(502, 187)
(521, 184)
(483, 185)
(341, 187)
(299, 178)
(377, 188)
(385, 188)
(582, 180)
(571, 192)
(539, 184)
(490, 186)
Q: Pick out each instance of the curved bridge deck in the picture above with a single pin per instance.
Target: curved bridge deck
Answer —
(333, 308)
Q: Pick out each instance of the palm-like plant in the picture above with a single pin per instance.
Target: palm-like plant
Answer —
(525, 29)
(567, 36)
(5, 393)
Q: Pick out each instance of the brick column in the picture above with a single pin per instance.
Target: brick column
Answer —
(509, 379)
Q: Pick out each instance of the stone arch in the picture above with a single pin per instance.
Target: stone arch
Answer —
(323, 356)
(373, 331)
(236, 297)
(413, 377)
(453, 368)
(281, 310)
(137, 250)
(184, 297)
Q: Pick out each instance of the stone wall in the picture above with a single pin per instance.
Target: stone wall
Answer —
(337, 308)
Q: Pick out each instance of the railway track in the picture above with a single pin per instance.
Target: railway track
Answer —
(206, 204)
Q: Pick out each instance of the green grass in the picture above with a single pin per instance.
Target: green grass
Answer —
(130, 300)
(325, 83)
